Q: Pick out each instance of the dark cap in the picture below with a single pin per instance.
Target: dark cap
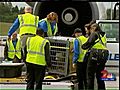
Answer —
(77, 30)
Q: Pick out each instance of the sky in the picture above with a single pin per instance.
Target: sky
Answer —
(23, 4)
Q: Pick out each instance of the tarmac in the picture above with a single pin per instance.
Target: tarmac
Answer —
(110, 85)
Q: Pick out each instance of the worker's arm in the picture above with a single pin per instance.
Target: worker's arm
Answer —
(14, 27)
(43, 25)
(47, 54)
(6, 51)
(24, 54)
(22, 58)
(76, 51)
(90, 42)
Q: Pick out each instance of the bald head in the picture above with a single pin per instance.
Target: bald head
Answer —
(28, 9)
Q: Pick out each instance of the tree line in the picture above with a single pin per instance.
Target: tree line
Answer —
(8, 13)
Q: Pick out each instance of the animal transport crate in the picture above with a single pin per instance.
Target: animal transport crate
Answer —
(61, 55)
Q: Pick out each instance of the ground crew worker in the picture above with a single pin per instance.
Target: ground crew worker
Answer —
(37, 59)
(78, 59)
(12, 50)
(98, 56)
(27, 23)
(49, 24)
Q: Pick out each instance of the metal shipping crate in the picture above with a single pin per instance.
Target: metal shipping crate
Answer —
(61, 55)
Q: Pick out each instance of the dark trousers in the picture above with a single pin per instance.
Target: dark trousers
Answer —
(96, 63)
(35, 76)
(81, 75)
(92, 69)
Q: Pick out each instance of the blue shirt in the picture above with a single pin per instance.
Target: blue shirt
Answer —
(76, 51)
(14, 42)
(15, 26)
(43, 26)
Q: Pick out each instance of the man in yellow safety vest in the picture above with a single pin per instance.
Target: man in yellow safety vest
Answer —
(49, 24)
(27, 23)
(37, 58)
(12, 50)
(78, 57)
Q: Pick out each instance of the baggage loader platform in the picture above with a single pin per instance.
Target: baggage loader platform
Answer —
(60, 84)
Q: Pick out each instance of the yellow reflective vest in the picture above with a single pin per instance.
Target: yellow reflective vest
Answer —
(82, 40)
(35, 50)
(14, 51)
(49, 31)
(28, 23)
(99, 44)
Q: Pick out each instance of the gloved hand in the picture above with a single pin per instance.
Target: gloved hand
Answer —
(9, 38)
(58, 34)
(74, 65)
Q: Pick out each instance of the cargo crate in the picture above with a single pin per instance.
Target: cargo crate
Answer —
(61, 55)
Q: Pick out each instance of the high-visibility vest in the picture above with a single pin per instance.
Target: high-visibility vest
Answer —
(82, 40)
(35, 49)
(28, 23)
(99, 44)
(49, 31)
(14, 51)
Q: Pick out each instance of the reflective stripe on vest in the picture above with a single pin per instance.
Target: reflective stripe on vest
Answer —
(99, 45)
(35, 49)
(28, 23)
(34, 52)
(14, 51)
(82, 40)
(49, 31)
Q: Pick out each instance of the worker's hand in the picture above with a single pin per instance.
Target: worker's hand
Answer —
(9, 38)
(72, 50)
(74, 65)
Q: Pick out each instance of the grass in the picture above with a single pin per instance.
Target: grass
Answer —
(4, 27)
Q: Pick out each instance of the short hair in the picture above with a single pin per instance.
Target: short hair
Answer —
(28, 9)
(39, 31)
(77, 30)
